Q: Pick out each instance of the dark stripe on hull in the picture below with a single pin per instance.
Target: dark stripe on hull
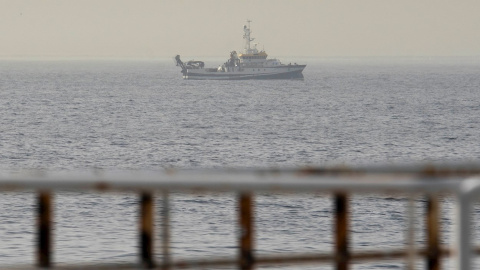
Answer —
(296, 74)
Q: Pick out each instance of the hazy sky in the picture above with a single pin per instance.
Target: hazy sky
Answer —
(192, 28)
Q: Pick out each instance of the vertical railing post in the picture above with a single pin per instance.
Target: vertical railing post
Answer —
(166, 231)
(44, 230)
(468, 190)
(341, 232)
(410, 234)
(146, 230)
(433, 233)
(246, 258)
(463, 229)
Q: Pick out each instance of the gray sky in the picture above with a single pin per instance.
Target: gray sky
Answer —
(164, 28)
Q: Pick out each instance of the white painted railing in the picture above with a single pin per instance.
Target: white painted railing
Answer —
(458, 180)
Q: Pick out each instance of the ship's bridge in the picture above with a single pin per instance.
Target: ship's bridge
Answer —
(253, 58)
(250, 56)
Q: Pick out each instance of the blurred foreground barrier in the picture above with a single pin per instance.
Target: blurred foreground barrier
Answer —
(430, 181)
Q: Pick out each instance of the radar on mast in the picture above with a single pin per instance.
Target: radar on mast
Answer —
(248, 49)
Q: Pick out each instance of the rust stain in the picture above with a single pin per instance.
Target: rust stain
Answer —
(445, 171)
(102, 186)
(146, 229)
(44, 229)
(342, 256)
(246, 257)
(433, 233)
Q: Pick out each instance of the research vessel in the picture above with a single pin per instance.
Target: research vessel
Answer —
(251, 64)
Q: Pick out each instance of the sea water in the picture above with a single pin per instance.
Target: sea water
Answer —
(140, 115)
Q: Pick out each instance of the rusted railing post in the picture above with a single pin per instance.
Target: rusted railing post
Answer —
(246, 258)
(410, 233)
(341, 232)
(166, 231)
(44, 230)
(146, 230)
(433, 233)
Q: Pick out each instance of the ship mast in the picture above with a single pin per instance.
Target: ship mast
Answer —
(247, 38)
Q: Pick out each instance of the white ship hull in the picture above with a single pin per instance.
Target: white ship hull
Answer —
(252, 64)
(281, 72)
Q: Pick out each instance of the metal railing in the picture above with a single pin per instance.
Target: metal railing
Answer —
(458, 180)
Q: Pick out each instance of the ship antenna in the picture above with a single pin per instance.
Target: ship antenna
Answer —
(246, 36)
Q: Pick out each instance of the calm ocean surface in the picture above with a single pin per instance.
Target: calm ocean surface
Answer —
(140, 115)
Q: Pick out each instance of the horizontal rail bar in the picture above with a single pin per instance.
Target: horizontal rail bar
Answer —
(232, 182)
(429, 181)
(265, 260)
(418, 170)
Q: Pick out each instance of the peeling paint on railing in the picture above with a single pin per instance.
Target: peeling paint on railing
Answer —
(458, 180)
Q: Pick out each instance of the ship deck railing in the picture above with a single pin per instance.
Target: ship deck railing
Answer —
(461, 181)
